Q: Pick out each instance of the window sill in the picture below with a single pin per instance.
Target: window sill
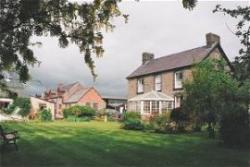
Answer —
(178, 88)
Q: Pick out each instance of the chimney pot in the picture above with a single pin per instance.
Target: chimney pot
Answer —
(211, 39)
(146, 57)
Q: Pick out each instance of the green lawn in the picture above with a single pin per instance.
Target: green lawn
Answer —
(105, 144)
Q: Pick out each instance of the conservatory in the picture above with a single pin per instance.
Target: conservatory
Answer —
(151, 103)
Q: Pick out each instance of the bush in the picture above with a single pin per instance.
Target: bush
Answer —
(9, 109)
(133, 124)
(131, 115)
(180, 117)
(160, 122)
(66, 113)
(24, 104)
(234, 126)
(45, 115)
(79, 111)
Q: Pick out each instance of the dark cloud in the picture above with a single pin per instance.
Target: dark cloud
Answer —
(158, 27)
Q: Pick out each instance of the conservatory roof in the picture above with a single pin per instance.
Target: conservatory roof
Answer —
(153, 95)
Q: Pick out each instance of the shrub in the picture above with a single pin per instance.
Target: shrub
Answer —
(180, 117)
(24, 104)
(133, 124)
(9, 109)
(234, 126)
(131, 115)
(160, 122)
(79, 111)
(45, 115)
(66, 112)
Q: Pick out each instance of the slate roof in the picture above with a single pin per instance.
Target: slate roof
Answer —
(67, 87)
(76, 96)
(173, 61)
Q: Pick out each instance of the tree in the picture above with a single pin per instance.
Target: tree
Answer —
(80, 24)
(242, 62)
(206, 95)
(215, 96)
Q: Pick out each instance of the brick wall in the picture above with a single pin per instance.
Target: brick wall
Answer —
(92, 97)
(167, 79)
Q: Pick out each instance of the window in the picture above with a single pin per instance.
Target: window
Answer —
(146, 106)
(177, 101)
(158, 82)
(167, 106)
(178, 78)
(155, 106)
(140, 85)
(42, 106)
(88, 104)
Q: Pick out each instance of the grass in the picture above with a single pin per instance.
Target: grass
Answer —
(101, 144)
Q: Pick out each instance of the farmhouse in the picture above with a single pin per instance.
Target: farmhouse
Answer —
(68, 95)
(156, 86)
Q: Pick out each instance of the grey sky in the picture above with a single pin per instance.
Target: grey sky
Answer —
(158, 27)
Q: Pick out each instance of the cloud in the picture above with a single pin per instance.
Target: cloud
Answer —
(159, 27)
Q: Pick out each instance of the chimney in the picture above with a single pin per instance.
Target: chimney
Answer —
(211, 39)
(59, 86)
(146, 57)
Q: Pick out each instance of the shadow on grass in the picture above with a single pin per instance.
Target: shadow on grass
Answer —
(91, 144)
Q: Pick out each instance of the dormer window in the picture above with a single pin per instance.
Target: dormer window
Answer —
(158, 82)
(178, 79)
(140, 85)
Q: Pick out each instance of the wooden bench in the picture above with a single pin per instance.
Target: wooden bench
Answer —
(8, 138)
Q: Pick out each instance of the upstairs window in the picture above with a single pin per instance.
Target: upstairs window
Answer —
(158, 82)
(178, 79)
(140, 85)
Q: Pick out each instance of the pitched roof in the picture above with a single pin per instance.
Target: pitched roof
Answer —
(152, 95)
(173, 61)
(76, 96)
(69, 86)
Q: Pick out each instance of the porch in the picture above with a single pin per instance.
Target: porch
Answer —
(151, 103)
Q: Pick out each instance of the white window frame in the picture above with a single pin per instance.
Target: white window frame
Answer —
(178, 100)
(155, 106)
(146, 107)
(178, 83)
(158, 82)
(139, 85)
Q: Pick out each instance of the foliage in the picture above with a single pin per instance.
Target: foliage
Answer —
(101, 113)
(242, 62)
(9, 109)
(80, 24)
(180, 117)
(66, 112)
(45, 115)
(209, 98)
(235, 126)
(189, 4)
(132, 121)
(23, 104)
(160, 122)
(131, 115)
(79, 111)
(133, 124)
(211, 88)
